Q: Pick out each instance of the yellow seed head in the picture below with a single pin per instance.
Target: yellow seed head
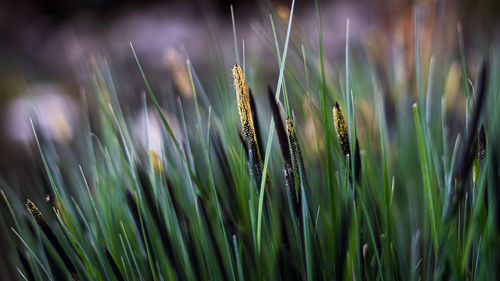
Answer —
(243, 99)
(341, 129)
(157, 164)
(247, 123)
(290, 129)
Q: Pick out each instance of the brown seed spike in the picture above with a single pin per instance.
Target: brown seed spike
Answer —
(42, 222)
(341, 129)
(357, 161)
(481, 146)
(290, 129)
(255, 120)
(298, 162)
(243, 102)
(285, 151)
(247, 123)
(280, 129)
(37, 215)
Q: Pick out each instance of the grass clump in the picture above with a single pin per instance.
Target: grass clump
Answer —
(383, 194)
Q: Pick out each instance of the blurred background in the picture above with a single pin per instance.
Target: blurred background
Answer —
(50, 51)
(47, 47)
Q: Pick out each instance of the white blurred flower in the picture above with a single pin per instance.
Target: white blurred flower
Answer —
(177, 67)
(149, 131)
(52, 110)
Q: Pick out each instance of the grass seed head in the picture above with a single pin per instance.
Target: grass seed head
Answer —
(341, 129)
(280, 129)
(37, 215)
(298, 160)
(255, 120)
(247, 123)
(285, 151)
(157, 163)
(481, 146)
(42, 222)
(243, 99)
(357, 161)
(290, 130)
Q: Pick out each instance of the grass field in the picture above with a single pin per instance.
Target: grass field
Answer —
(327, 170)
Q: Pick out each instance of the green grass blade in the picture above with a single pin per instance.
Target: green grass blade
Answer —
(270, 135)
(424, 164)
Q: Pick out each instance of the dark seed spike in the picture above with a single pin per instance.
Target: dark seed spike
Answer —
(343, 136)
(290, 271)
(113, 265)
(341, 250)
(481, 146)
(58, 272)
(296, 159)
(181, 215)
(42, 223)
(280, 129)
(227, 208)
(285, 151)
(39, 218)
(145, 234)
(298, 167)
(254, 157)
(341, 129)
(251, 167)
(158, 218)
(465, 156)
(256, 123)
(185, 224)
(292, 143)
(296, 152)
(357, 162)
(191, 248)
(218, 255)
(147, 189)
(26, 266)
(132, 204)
